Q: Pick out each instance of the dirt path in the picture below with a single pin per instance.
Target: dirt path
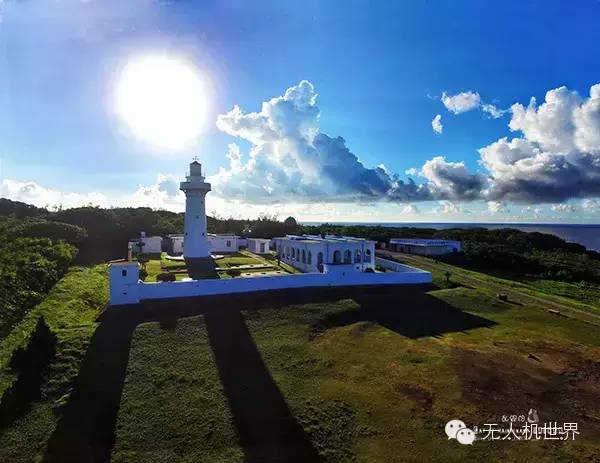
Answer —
(463, 277)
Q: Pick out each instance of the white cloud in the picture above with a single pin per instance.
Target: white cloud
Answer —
(38, 195)
(163, 194)
(497, 207)
(591, 205)
(436, 124)
(461, 102)
(291, 159)
(452, 180)
(448, 207)
(468, 101)
(492, 110)
(409, 209)
(413, 171)
(558, 155)
(563, 208)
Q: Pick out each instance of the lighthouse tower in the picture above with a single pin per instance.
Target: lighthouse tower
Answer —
(195, 243)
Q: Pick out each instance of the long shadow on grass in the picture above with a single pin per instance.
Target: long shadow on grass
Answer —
(30, 365)
(267, 430)
(413, 314)
(85, 431)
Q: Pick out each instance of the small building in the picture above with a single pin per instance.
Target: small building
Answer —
(424, 247)
(223, 242)
(310, 253)
(258, 245)
(146, 244)
(174, 244)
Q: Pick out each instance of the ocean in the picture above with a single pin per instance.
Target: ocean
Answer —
(586, 235)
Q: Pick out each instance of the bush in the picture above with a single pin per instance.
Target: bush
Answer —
(234, 272)
(165, 277)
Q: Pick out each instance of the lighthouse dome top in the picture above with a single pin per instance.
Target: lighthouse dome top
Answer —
(195, 168)
(195, 180)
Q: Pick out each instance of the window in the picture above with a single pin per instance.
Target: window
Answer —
(347, 256)
(368, 255)
(228, 244)
(309, 258)
(357, 256)
(337, 257)
(124, 272)
(304, 256)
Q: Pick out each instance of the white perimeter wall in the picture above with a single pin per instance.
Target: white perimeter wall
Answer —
(242, 285)
(395, 266)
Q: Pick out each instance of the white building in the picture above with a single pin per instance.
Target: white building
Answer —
(124, 277)
(310, 253)
(258, 245)
(174, 244)
(195, 189)
(146, 244)
(223, 242)
(424, 247)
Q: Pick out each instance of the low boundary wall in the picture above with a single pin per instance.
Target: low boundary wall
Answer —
(142, 291)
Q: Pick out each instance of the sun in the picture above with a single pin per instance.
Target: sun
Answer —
(162, 100)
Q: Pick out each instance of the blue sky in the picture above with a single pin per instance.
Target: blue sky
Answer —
(379, 70)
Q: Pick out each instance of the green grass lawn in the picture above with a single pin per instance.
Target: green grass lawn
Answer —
(586, 293)
(155, 265)
(172, 407)
(366, 375)
(70, 311)
(364, 387)
(366, 393)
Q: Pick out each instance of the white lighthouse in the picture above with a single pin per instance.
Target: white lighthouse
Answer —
(195, 243)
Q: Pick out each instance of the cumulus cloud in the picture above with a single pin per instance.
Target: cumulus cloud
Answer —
(291, 159)
(468, 101)
(563, 208)
(33, 193)
(493, 111)
(448, 207)
(452, 180)
(461, 102)
(436, 124)
(558, 155)
(497, 207)
(163, 194)
(409, 209)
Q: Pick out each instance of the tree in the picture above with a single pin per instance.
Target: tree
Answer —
(290, 225)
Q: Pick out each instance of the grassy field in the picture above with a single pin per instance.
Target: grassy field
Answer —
(189, 419)
(352, 375)
(367, 377)
(544, 294)
(70, 311)
(156, 265)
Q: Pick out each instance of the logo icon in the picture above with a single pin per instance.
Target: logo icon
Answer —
(532, 416)
(457, 429)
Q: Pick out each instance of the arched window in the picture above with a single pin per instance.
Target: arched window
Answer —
(304, 256)
(298, 254)
(368, 255)
(309, 258)
(357, 257)
(293, 253)
(337, 257)
(347, 256)
(320, 258)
